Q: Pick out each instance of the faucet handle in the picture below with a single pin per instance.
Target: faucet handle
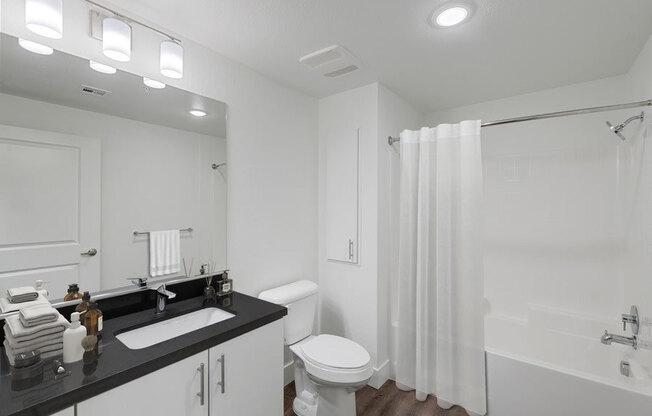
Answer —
(138, 281)
(632, 319)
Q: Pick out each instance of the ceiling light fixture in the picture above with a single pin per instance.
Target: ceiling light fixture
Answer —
(450, 14)
(45, 17)
(152, 83)
(171, 60)
(104, 69)
(35, 47)
(116, 39)
(197, 113)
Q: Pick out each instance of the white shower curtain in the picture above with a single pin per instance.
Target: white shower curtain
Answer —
(440, 334)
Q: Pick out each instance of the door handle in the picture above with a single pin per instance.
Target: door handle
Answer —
(222, 382)
(91, 252)
(350, 249)
(202, 387)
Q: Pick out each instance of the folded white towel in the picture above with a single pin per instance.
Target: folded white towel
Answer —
(37, 314)
(22, 334)
(46, 352)
(33, 343)
(6, 306)
(44, 346)
(22, 294)
(164, 252)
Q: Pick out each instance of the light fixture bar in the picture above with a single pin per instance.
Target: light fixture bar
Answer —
(129, 19)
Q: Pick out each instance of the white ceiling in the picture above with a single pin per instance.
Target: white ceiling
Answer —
(509, 47)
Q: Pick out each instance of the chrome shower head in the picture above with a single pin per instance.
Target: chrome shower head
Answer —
(617, 129)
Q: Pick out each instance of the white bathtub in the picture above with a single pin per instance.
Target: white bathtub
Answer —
(523, 387)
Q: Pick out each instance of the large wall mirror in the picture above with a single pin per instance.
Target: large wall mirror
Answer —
(87, 159)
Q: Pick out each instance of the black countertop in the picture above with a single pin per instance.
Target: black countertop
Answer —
(116, 364)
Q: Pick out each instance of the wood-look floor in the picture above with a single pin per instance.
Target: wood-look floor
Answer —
(386, 401)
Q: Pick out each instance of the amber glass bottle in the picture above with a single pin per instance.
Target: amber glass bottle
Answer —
(93, 320)
(83, 305)
(73, 292)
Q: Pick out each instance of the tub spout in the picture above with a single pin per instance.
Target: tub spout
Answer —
(608, 339)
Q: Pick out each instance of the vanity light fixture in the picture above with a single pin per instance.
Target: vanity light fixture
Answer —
(45, 17)
(171, 59)
(450, 14)
(152, 83)
(103, 68)
(35, 47)
(116, 39)
(198, 113)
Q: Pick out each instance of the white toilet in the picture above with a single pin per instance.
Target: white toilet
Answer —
(328, 369)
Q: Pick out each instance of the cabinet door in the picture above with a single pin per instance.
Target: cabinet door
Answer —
(246, 374)
(171, 391)
(65, 412)
(342, 172)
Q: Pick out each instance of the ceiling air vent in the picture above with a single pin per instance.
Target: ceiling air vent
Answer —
(94, 90)
(331, 62)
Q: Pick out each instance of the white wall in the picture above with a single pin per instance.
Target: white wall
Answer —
(139, 190)
(355, 297)
(272, 148)
(555, 216)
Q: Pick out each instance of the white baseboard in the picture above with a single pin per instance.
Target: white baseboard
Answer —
(380, 375)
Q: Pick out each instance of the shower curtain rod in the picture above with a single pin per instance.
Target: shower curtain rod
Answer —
(391, 140)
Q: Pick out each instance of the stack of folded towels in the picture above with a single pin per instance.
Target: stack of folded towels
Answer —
(35, 328)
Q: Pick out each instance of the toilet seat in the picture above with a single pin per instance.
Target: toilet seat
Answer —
(334, 359)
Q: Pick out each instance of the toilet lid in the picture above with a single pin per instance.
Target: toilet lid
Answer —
(336, 352)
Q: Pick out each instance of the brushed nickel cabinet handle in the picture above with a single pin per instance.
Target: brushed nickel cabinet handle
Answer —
(202, 387)
(91, 252)
(222, 382)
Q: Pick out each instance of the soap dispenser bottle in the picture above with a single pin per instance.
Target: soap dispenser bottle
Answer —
(73, 292)
(72, 338)
(84, 304)
(225, 286)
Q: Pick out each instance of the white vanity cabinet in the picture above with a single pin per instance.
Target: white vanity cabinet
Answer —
(246, 374)
(65, 412)
(249, 367)
(171, 391)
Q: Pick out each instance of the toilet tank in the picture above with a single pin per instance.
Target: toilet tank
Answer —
(301, 300)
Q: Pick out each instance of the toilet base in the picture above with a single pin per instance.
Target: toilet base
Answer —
(318, 398)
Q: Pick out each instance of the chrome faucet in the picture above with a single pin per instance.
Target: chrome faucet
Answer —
(608, 339)
(162, 296)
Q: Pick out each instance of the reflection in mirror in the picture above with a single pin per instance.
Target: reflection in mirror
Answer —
(87, 159)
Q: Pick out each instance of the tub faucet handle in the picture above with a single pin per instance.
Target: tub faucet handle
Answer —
(632, 319)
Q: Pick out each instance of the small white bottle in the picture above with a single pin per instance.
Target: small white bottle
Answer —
(72, 338)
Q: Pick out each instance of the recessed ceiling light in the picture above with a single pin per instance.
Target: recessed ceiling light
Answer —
(152, 83)
(105, 69)
(450, 15)
(198, 113)
(35, 47)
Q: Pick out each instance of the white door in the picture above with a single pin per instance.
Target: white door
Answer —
(342, 179)
(49, 210)
(246, 374)
(179, 389)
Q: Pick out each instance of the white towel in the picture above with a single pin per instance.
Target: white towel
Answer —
(46, 352)
(22, 334)
(44, 339)
(37, 314)
(164, 252)
(22, 294)
(6, 306)
(43, 346)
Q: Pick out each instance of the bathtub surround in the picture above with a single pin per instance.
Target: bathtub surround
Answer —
(440, 339)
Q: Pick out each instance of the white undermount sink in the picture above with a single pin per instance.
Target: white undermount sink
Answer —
(152, 334)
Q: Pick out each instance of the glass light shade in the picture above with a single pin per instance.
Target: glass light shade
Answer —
(171, 59)
(452, 16)
(116, 39)
(35, 47)
(99, 67)
(45, 17)
(152, 83)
